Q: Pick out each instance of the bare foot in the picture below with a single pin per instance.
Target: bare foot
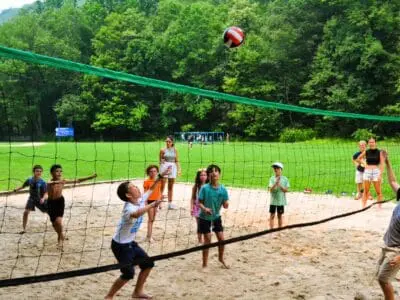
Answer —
(60, 246)
(60, 243)
(149, 240)
(141, 296)
(224, 264)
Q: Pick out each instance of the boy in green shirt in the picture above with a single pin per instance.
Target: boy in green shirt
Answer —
(278, 187)
(212, 197)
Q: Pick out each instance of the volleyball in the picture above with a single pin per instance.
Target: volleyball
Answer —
(233, 37)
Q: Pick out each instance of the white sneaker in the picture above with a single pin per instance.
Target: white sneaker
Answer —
(172, 206)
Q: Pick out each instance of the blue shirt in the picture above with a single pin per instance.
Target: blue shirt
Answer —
(37, 188)
(213, 198)
(392, 235)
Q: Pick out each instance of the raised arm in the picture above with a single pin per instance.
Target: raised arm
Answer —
(87, 178)
(391, 177)
(146, 208)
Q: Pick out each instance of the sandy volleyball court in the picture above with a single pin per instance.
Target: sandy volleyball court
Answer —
(334, 260)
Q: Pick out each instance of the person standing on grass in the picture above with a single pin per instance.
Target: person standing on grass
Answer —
(37, 194)
(169, 160)
(360, 168)
(389, 261)
(278, 187)
(373, 170)
(212, 197)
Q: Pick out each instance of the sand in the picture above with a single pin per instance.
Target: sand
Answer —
(335, 260)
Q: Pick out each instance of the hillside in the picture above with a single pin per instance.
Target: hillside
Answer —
(8, 14)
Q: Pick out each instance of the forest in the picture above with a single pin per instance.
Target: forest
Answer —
(339, 55)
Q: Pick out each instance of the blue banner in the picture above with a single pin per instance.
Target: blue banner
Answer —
(64, 131)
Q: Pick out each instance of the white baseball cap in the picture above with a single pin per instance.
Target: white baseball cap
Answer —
(277, 164)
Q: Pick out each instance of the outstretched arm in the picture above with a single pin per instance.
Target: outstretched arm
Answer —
(24, 185)
(391, 177)
(18, 189)
(79, 180)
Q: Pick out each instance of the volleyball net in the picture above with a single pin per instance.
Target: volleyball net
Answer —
(321, 174)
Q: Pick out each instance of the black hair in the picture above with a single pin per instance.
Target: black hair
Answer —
(151, 167)
(210, 168)
(172, 139)
(55, 167)
(122, 190)
(37, 167)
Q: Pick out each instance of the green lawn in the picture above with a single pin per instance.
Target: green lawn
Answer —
(321, 165)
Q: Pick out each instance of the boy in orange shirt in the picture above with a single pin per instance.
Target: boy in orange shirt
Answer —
(152, 172)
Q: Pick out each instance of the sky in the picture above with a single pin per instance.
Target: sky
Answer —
(4, 4)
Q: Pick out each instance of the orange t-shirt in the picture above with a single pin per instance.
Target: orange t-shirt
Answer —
(156, 194)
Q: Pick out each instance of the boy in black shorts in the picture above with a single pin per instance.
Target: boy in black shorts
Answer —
(212, 196)
(37, 194)
(278, 187)
(56, 202)
(123, 244)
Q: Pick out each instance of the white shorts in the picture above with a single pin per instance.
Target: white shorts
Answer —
(385, 272)
(173, 171)
(359, 177)
(371, 174)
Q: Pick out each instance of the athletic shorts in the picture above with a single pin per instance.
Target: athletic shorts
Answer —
(385, 272)
(371, 174)
(55, 208)
(126, 255)
(359, 177)
(32, 203)
(173, 171)
(205, 225)
(274, 208)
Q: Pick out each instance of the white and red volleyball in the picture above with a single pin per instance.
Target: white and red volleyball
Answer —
(233, 37)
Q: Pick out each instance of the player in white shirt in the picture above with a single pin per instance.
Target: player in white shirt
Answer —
(123, 244)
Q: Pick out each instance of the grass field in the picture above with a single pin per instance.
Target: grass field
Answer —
(320, 165)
